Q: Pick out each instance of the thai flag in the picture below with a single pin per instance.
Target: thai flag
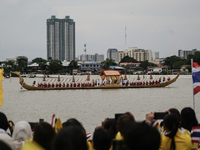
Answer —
(195, 134)
(196, 77)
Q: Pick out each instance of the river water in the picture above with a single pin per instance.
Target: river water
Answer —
(91, 107)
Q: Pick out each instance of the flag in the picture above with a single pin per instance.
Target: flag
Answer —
(53, 120)
(1, 87)
(58, 125)
(196, 77)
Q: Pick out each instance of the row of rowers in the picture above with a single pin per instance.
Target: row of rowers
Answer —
(97, 83)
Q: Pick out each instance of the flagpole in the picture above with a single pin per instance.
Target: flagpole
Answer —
(192, 86)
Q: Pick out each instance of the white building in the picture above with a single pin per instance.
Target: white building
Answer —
(155, 55)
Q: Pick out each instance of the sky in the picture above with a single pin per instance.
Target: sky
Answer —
(158, 25)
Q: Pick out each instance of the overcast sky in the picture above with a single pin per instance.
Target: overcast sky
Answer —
(159, 25)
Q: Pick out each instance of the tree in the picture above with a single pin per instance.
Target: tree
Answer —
(107, 63)
(174, 62)
(9, 66)
(197, 57)
(42, 62)
(146, 63)
(55, 66)
(72, 65)
(22, 64)
(128, 59)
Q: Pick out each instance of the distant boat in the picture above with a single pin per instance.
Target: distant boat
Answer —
(110, 79)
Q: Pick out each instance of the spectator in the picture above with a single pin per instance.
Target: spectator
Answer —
(3, 123)
(22, 132)
(101, 139)
(174, 139)
(4, 146)
(70, 138)
(43, 135)
(141, 136)
(190, 124)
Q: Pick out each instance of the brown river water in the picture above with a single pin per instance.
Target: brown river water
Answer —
(92, 106)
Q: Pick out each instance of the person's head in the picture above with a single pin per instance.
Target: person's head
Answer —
(171, 124)
(141, 136)
(3, 121)
(189, 119)
(111, 126)
(43, 135)
(73, 122)
(175, 111)
(101, 139)
(4, 146)
(70, 138)
(22, 131)
(125, 120)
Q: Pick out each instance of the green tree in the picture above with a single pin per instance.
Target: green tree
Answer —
(41, 62)
(72, 65)
(128, 59)
(146, 63)
(107, 63)
(188, 60)
(55, 66)
(174, 62)
(9, 66)
(197, 57)
(22, 64)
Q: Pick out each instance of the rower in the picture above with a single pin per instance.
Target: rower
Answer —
(49, 85)
(63, 84)
(59, 84)
(52, 84)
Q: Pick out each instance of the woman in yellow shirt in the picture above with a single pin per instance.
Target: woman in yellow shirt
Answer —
(174, 140)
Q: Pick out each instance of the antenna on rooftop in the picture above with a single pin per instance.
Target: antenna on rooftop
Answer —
(125, 38)
(85, 50)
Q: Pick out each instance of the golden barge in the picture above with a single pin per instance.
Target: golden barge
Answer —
(110, 79)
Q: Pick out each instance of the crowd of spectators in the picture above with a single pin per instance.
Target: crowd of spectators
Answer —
(175, 131)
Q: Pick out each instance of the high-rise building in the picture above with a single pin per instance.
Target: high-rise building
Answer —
(96, 57)
(155, 55)
(184, 53)
(112, 54)
(61, 38)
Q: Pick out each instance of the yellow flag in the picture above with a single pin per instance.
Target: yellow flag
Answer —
(31, 145)
(1, 87)
(58, 125)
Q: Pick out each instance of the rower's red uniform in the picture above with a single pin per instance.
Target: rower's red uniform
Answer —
(70, 84)
(45, 84)
(78, 85)
(168, 78)
(52, 84)
(74, 84)
(143, 83)
(89, 85)
(126, 83)
(49, 85)
(67, 85)
(63, 84)
(59, 85)
(56, 84)
(39, 85)
(134, 83)
(82, 84)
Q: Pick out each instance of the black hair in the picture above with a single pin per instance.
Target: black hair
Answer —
(101, 139)
(44, 134)
(141, 136)
(125, 120)
(189, 119)
(73, 122)
(175, 111)
(3, 121)
(70, 138)
(171, 122)
(110, 126)
(4, 146)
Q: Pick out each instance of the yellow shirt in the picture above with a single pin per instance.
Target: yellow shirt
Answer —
(182, 142)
